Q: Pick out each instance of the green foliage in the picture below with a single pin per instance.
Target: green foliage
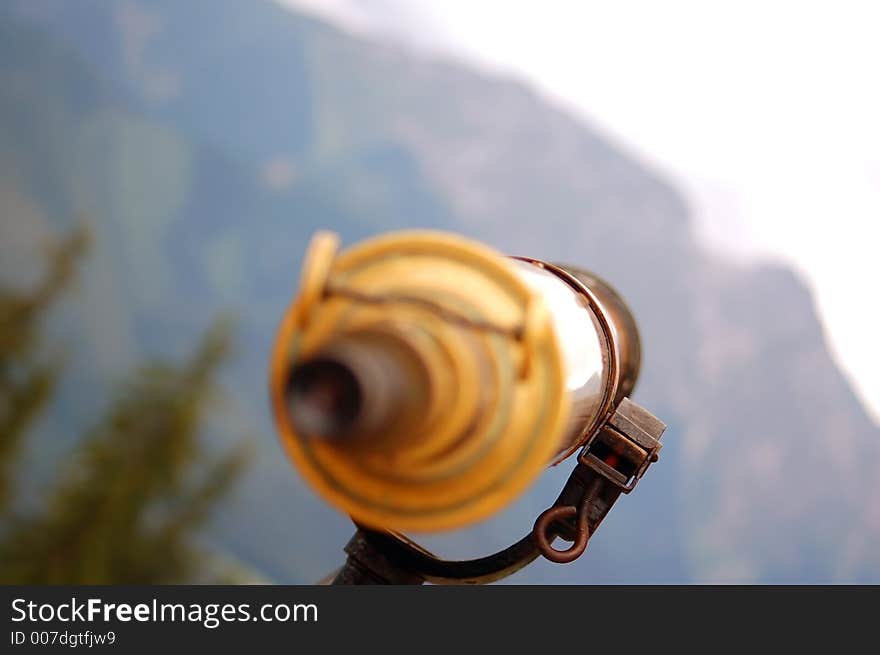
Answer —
(127, 502)
(26, 377)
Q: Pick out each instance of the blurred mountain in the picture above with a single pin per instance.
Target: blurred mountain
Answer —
(206, 141)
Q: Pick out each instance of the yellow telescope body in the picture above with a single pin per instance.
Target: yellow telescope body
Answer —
(421, 381)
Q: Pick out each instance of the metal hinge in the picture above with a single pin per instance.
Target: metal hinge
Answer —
(625, 446)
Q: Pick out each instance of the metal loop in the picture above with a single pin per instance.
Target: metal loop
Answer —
(544, 534)
(507, 561)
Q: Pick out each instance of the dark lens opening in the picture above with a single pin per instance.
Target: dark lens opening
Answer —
(323, 398)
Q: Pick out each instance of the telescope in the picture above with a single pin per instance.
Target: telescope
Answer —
(421, 382)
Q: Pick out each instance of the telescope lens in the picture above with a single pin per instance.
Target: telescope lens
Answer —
(323, 398)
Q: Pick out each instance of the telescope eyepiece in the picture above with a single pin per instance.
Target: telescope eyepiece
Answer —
(366, 388)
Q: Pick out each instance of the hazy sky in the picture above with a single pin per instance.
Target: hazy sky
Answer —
(767, 114)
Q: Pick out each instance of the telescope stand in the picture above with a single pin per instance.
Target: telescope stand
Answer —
(611, 463)
(368, 564)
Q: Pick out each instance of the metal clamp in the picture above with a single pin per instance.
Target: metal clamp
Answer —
(625, 446)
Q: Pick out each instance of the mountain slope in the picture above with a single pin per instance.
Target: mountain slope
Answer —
(209, 139)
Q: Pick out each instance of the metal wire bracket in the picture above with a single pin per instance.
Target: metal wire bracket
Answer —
(610, 463)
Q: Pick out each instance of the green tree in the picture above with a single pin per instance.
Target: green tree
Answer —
(27, 377)
(128, 502)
